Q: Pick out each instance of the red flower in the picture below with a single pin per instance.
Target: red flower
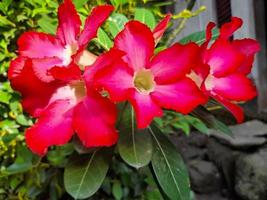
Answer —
(62, 99)
(149, 82)
(224, 67)
(68, 45)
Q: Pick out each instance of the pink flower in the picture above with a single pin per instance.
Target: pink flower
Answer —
(54, 90)
(150, 82)
(224, 66)
(48, 51)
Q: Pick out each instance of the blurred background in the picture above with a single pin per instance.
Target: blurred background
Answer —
(221, 167)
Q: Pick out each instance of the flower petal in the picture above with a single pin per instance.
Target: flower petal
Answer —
(68, 23)
(39, 45)
(249, 48)
(117, 80)
(222, 58)
(35, 93)
(236, 87)
(54, 127)
(161, 27)
(94, 121)
(97, 17)
(137, 41)
(236, 110)
(228, 29)
(173, 63)
(145, 108)
(182, 96)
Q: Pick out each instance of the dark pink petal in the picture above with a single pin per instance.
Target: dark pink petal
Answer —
(236, 87)
(182, 96)
(94, 121)
(222, 58)
(228, 29)
(137, 41)
(41, 67)
(97, 17)
(161, 27)
(39, 45)
(70, 73)
(68, 23)
(54, 127)
(236, 110)
(145, 108)
(117, 80)
(173, 63)
(35, 93)
(249, 48)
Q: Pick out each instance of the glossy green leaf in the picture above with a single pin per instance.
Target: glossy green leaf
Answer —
(4, 97)
(117, 190)
(79, 3)
(103, 39)
(116, 23)
(135, 146)
(199, 37)
(145, 16)
(84, 174)
(47, 24)
(169, 167)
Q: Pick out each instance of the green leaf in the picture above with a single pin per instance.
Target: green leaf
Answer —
(47, 24)
(103, 39)
(199, 37)
(135, 146)
(197, 124)
(79, 3)
(117, 190)
(117, 3)
(145, 16)
(206, 116)
(5, 97)
(169, 167)
(84, 174)
(116, 23)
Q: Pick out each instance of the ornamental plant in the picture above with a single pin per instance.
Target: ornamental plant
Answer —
(110, 102)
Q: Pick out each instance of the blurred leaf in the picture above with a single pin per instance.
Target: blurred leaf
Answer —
(182, 124)
(117, 3)
(116, 23)
(47, 24)
(84, 175)
(117, 190)
(79, 3)
(197, 124)
(145, 16)
(134, 144)
(169, 167)
(4, 97)
(103, 39)
(4, 21)
(199, 37)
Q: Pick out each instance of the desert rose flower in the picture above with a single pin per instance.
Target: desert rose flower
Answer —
(150, 82)
(57, 93)
(48, 51)
(224, 66)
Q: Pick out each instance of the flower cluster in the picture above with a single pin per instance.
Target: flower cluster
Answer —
(61, 82)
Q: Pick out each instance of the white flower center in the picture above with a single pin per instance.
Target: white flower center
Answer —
(144, 81)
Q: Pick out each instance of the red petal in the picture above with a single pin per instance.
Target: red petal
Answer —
(35, 93)
(39, 45)
(68, 23)
(222, 58)
(97, 17)
(182, 96)
(137, 41)
(54, 127)
(94, 121)
(173, 63)
(145, 108)
(117, 80)
(229, 28)
(70, 73)
(161, 27)
(249, 48)
(236, 110)
(236, 87)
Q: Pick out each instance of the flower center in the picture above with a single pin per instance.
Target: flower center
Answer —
(79, 89)
(209, 82)
(69, 51)
(144, 81)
